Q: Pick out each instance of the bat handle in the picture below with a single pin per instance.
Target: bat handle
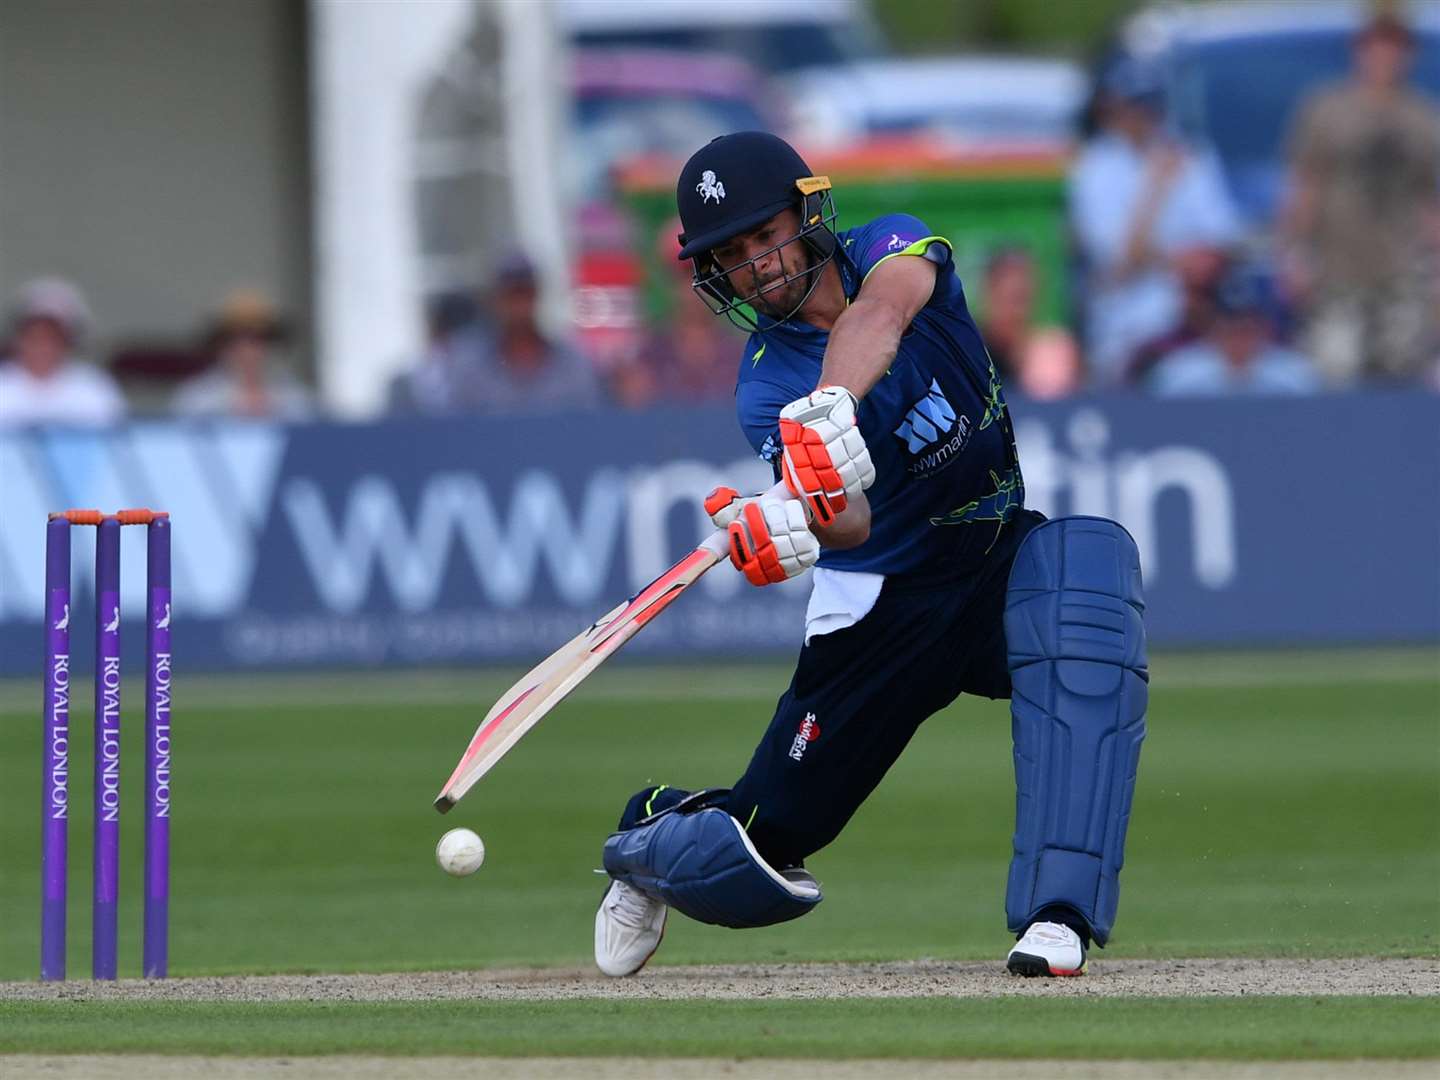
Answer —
(718, 542)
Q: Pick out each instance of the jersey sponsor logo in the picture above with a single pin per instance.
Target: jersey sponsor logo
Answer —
(932, 432)
(709, 187)
(928, 419)
(808, 733)
(896, 243)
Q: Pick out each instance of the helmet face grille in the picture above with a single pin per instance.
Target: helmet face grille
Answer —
(817, 234)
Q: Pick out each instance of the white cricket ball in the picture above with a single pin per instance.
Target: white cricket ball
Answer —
(460, 852)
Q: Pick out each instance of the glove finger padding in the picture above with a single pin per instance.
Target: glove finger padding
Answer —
(723, 505)
(770, 542)
(809, 473)
(825, 457)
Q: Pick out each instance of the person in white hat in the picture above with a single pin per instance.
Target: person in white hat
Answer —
(41, 379)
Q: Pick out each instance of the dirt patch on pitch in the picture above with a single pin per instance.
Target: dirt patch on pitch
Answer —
(369, 1068)
(1113, 978)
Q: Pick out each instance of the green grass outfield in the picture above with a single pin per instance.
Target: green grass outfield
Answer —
(1288, 804)
(1217, 1028)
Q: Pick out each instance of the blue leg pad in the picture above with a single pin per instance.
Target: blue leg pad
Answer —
(1080, 686)
(703, 865)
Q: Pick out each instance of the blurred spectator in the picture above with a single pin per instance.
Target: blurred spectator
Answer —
(1051, 369)
(427, 388)
(692, 360)
(41, 380)
(502, 362)
(1239, 355)
(249, 378)
(1365, 215)
(1041, 363)
(1199, 271)
(1140, 200)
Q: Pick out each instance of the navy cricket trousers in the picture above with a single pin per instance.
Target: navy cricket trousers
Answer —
(858, 696)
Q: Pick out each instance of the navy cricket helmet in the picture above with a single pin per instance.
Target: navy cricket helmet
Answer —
(736, 183)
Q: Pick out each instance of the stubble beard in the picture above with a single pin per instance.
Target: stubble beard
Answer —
(781, 302)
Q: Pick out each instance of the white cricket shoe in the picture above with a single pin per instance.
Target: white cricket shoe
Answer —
(1047, 949)
(628, 929)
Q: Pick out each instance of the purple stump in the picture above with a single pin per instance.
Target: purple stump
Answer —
(105, 910)
(157, 750)
(55, 778)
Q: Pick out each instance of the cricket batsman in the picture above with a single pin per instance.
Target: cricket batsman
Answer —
(866, 385)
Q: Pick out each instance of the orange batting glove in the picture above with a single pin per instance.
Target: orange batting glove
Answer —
(770, 541)
(825, 457)
(723, 505)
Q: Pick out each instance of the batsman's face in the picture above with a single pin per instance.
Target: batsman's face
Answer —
(766, 266)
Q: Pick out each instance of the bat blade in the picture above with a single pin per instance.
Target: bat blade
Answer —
(546, 685)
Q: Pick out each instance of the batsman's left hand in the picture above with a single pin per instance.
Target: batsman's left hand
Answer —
(770, 539)
(825, 458)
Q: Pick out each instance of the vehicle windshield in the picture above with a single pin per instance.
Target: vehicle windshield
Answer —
(612, 127)
(1242, 96)
(772, 47)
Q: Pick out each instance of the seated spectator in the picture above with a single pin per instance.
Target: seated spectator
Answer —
(41, 380)
(1140, 200)
(1199, 271)
(1364, 216)
(249, 377)
(503, 363)
(1239, 355)
(1042, 363)
(448, 318)
(693, 359)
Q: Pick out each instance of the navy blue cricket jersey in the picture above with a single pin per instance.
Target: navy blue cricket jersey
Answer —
(946, 477)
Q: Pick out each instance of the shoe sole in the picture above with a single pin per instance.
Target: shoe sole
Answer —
(1029, 965)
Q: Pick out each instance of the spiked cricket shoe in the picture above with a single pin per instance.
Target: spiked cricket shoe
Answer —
(628, 929)
(1047, 948)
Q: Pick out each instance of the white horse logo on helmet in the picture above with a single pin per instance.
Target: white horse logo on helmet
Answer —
(710, 188)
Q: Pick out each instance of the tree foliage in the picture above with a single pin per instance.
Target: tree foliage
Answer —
(928, 26)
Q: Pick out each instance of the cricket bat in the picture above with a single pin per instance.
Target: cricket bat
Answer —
(546, 685)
